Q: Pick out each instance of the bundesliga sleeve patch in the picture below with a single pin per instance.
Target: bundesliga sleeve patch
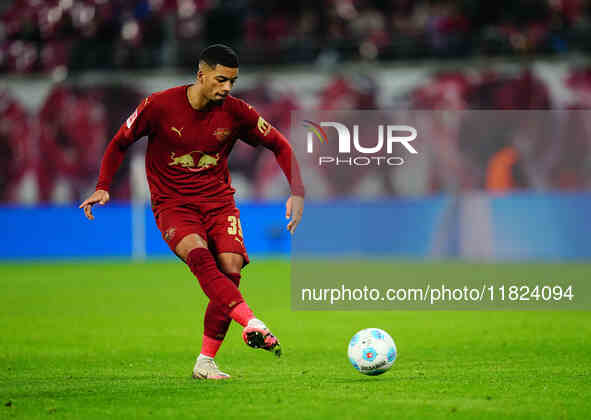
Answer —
(131, 119)
(263, 126)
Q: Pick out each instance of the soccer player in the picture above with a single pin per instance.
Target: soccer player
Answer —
(191, 130)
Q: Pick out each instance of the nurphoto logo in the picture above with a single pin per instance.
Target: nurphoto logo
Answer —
(387, 137)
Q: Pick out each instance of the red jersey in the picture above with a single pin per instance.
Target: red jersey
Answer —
(187, 155)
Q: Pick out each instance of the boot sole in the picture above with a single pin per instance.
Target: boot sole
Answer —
(256, 340)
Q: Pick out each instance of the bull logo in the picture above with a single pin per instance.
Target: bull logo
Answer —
(206, 161)
(186, 161)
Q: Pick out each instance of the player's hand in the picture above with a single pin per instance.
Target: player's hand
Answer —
(99, 196)
(294, 208)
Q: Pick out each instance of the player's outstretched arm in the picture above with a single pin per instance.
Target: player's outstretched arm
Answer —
(136, 126)
(259, 131)
(273, 140)
(99, 196)
(294, 209)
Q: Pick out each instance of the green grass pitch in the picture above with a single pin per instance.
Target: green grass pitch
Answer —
(118, 340)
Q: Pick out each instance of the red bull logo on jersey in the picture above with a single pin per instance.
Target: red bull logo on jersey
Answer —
(194, 161)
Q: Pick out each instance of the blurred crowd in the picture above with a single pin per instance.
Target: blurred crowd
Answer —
(52, 154)
(73, 35)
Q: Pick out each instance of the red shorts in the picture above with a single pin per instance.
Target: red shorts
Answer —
(217, 223)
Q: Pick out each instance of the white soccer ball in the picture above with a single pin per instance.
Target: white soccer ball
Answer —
(372, 351)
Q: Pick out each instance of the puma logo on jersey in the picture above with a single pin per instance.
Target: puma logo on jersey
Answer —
(176, 130)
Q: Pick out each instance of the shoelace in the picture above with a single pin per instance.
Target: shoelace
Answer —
(211, 363)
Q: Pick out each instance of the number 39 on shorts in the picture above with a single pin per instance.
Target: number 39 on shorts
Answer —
(235, 226)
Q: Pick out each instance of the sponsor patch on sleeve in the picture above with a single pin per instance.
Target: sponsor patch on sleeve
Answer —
(263, 126)
(131, 119)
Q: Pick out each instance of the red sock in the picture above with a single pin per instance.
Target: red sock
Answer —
(235, 277)
(241, 314)
(210, 346)
(216, 322)
(218, 288)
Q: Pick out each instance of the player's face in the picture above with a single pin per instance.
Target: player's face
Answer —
(218, 82)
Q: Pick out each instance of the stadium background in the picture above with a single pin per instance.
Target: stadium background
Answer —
(89, 334)
(73, 71)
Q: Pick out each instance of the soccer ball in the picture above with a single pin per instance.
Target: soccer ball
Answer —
(372, 351)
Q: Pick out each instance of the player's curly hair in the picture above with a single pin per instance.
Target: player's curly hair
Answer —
(219, 54)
